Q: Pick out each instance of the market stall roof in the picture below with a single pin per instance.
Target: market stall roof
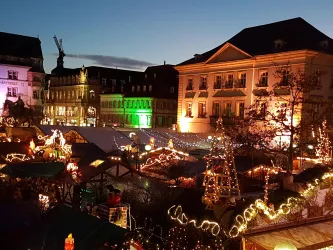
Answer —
(306, 237)
(89, 232)
(33, 169)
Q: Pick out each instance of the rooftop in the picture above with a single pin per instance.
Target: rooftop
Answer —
(294, 34)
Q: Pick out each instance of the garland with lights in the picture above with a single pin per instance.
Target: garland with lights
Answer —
(242, 220)
(220, 176)
(323, 148)
(17, 156)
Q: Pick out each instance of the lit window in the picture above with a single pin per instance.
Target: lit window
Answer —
(189, 109)
(203, 83)
(172, 89)
(154, 75)
(138, 88)
(230, 81)
(36, 94)
(263, 80)
(202, 109)
(144, 88)
(240, 110)
(189, 84)
(10, 74)
(242, 80)
(133, 88)
(227, 109)
(150, 88)
(216, 109)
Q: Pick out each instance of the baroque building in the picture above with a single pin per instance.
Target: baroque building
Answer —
(148, 102)
(22, 72)
(226, 80)
(74, 94)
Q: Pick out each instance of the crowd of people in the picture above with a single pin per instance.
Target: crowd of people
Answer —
(15, 189)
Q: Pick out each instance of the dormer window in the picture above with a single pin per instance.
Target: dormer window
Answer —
(279, 43)
(197, 56)
(324, 44)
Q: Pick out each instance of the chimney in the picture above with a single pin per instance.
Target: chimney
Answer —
(164, 62)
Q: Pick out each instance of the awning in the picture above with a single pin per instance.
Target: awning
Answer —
(33, 169)
(229, 93)
(306, 237)
(189, 94)
(203, 94)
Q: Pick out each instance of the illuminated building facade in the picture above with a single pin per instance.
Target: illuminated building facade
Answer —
(150, 102)
(226, 80)
(21, 71)
(73, 97)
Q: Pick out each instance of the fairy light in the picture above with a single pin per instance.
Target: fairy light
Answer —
(16, 156)
(323, 148)
(176, 213)
(220, 176)
(241, 221)
(50, 142)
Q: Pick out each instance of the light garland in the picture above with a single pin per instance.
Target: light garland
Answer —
(270, 170)
(324, 148)
(241, 221)
(16, 156)
(163, 159)
(176, 213)
(50, 142)
(220, 176)
(165, 148)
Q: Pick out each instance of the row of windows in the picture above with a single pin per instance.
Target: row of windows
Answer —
(144, 88)
(228, 81)
(141, 120)
(13, 92)
(217, 110)
(138, 104)
(71, 94)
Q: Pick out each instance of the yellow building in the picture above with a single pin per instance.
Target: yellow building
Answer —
(72, 99)
(226, 80)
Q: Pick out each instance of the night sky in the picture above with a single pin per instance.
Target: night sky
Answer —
(134, 34)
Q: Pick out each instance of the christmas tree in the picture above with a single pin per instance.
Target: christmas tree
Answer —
(220, 179)
(323, 148)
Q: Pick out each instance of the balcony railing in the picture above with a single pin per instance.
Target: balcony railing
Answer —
(229, 85)
(217, 85)
(227, 120)
(189, 87)
(203, 86)
(262, 83)
(240, 84)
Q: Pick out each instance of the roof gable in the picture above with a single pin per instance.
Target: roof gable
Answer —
(20, 46)
(296, 33)
(228, 52)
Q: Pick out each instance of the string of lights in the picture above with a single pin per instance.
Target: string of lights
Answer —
(242, 220)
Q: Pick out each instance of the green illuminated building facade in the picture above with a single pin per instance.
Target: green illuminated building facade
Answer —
(148, 102)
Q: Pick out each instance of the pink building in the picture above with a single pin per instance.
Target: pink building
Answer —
(21, 71)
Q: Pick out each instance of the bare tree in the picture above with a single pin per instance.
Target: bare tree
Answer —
(289, 110)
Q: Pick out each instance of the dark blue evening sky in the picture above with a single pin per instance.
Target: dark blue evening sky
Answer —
(147, 30)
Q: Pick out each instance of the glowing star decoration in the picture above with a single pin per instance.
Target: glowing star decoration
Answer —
(55, 141)
(44, 202)
(220, 176)
(17, 157)
(324, 147)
